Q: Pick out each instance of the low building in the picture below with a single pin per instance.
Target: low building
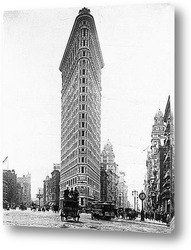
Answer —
(10, 185)
(51, 187)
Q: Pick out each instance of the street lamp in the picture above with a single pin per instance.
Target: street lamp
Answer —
(142, 196)
(39, 196)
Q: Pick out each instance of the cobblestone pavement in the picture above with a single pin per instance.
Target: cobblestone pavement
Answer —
(49, 219)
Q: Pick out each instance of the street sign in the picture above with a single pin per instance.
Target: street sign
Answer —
(142, 196)
(39, 196)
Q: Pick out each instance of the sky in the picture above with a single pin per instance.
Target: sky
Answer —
(137, 47)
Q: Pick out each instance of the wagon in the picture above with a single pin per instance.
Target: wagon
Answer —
(70, 210)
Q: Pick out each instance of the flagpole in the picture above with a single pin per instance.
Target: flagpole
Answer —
(6, 160)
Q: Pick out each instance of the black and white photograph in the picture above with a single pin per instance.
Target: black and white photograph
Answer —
(88, 118)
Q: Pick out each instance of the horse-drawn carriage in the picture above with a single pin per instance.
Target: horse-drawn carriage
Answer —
(102, 210)
(130, 214)
(70, 209)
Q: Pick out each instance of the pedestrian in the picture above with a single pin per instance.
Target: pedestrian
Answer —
(66, 192)
(71, 194)
(76, 194)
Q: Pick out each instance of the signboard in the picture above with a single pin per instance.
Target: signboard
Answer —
(82, 178)
(39, 196)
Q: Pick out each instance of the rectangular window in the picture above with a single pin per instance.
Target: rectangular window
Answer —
(83, 132)
(82, 201)
(82, 142)
(83, 115)
(83, 124)
(84, 53)
(83, 89)
(83, 71)
(83, 80)
(83, 98)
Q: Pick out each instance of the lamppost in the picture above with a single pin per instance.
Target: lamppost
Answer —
(39, 196)
(142, 196)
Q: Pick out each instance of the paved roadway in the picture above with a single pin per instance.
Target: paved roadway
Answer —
(49, 219)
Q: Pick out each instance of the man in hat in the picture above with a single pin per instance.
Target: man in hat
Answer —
(66, 192)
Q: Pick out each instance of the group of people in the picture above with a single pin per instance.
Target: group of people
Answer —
(71, 193)
(157, 215)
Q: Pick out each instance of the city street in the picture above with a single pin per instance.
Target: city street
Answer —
(52, 220)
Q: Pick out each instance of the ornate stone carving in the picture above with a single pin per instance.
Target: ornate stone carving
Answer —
(84, 11)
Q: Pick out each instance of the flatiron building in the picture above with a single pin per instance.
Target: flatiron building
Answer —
(81, 67)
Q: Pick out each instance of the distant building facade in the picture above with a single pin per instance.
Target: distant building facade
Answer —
(113, 184)
(167, 153)
(160, 178)
(46, 190)
(122, 191)
(10, 185)
(55, 187)
(51, 187)
(25, 182)
(5, 190)
(81, 110)
(109, 175)
(152, 183)
(19, 194)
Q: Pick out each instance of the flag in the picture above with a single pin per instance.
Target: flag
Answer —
(5, 159)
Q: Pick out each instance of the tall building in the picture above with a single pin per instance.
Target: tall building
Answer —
(55, 187)
(109, 175)
(152, 183)
(81, 110)
(167, 153)
(122, 190)
(46, 190)
(25, 182)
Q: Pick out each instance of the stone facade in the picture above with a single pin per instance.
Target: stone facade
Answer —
(167, 152)
(113, 184)
(51, 188)
(152, 183)
(25, 183)
(46, 190)
(122, 190)
(10, 185)
(160, 179)
(81, 110)
(109, 175)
